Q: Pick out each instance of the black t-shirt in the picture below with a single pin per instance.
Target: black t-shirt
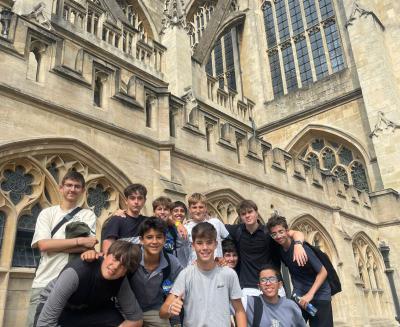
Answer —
(255, 250)
(122, 227)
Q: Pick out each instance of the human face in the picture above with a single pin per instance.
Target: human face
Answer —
(204, 249)
(71, 190)
(249, 216)
(135, 204)
(280, 235)
(231, 259)
(198, 211)
(153, 242)
(178, 214)
(162, 212)
(269, 284)
(111, 268)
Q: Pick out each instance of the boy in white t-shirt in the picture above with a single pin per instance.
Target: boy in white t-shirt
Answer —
(198, 213)
(56, 248)
(204, 289)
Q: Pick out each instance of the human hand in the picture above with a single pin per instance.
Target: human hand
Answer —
(90, 255)
(175, 307)
(221, 262)
(120, 213)
(182, 231)
(299, 255)
(87, 242)
(305, 299)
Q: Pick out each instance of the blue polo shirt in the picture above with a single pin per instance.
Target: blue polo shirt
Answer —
(303, 277)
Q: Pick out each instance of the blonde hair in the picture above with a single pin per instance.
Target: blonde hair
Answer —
(197, 197)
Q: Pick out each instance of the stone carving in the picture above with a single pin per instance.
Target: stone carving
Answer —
(174, 13)
(382, 124)
(39, 15)
(357, 9)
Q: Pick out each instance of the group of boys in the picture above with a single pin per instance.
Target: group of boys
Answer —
(170, 269)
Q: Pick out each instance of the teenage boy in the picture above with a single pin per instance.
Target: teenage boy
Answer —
(175, 244)
(49, 236)
(256, 247)
(268, 309)
(230, 253)
(83, 294)
(178, 212)
(204, 289)
(156, 273)
(198, 213)
(127, 227)
(309, 281)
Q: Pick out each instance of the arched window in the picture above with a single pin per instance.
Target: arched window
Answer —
(24, 254)
(3, 218)
(345, 163)
(34, 61)
(313, 40)
(98, 91)
(148, 110)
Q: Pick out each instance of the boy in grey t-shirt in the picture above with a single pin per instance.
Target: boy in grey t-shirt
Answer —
(204, 289)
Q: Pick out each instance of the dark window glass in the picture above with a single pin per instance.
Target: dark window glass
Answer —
(17, 183)
(98, 199)
(304, 62)
(295, 15)
(329, 159)
(345, 156)
(359, 176)
(318, 53)
(275, 73)
(341, 173)
(326, 9)
(290, 70)
(229, 61)
(219, 66)
(24, 255)
(3, 218)
(269, 25)
(334, 46)
(313, 160)
(311, 12)
(209, 69)
(281, 17)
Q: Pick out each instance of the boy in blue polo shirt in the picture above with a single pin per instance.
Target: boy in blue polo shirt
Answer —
(309, 281)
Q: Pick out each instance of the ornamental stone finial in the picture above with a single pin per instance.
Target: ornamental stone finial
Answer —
(174, 14)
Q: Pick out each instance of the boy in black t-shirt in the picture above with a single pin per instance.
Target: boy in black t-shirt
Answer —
(127, 227)
(84, 293)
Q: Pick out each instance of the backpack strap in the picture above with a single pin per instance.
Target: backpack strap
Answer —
(258, 311)
(166, 271)
(65, 219)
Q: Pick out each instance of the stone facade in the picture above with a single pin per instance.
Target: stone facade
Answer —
(187, 96)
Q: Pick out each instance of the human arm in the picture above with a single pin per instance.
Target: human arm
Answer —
(299, 254)
(70, 245)
(319, 280)
(129, 306)
(182, 231)
(172, 306)
(240, 314)
(66, 284)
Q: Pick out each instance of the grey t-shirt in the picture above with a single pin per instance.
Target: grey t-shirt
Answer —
(207, 295)
(285, 313)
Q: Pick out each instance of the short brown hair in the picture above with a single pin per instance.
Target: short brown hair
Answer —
(268, 266)
(162, 201)
(276, 220)
(75, 176)
(246, 205)
(204, 230)
(127, 253)
(135, 188)
(197, 197)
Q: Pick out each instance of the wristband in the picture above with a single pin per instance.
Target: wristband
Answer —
(298, 242)
(177, 223)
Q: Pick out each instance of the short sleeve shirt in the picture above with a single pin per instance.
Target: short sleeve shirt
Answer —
(285, 313)
(222, 233)
(207, 295)
(51, 264)
(126, 228)
(303, 277)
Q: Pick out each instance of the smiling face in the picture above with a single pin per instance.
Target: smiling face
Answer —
(153, 242)
(198, 211)
(178, 214)
(135, 203)
(71, 190)
(280, 235)
(111, 268)
(162, 212)
(249, 216)
(269, 284)
(231, 259)
(204, 249)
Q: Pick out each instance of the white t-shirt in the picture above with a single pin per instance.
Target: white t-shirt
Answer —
(207, 295)
(51, 264)
(222, 233)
